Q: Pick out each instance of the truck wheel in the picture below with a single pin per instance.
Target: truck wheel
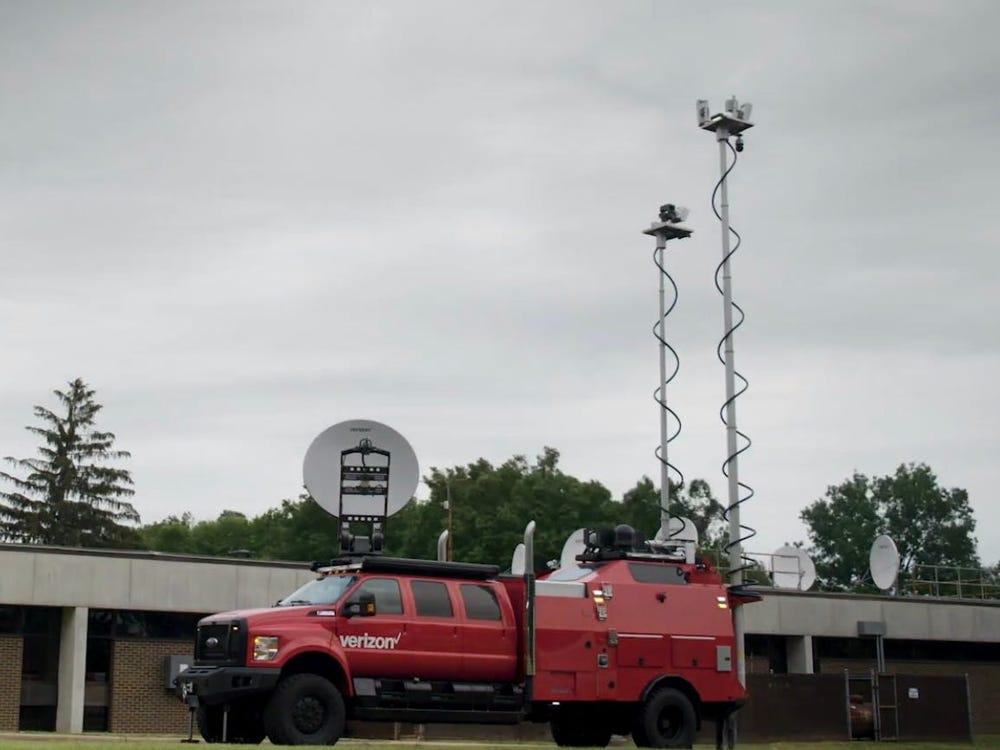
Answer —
(305, 709)
(577, 730)
(243, 726)
(666, 719)
(209, 719)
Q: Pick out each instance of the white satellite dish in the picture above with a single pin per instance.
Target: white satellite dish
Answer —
(361, 468)
(517, 560)
(574, 546)
(792, 568)
(679, 529)
(883, 560)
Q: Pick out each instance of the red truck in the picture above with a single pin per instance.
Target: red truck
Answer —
(627, 641)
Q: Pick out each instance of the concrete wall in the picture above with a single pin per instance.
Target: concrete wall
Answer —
(98, 579)
(837, 616)
(176, 583)
(10, 681)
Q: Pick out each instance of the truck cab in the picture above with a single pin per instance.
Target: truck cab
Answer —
(624, 642)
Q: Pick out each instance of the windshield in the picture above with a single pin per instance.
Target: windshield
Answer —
(325, 590)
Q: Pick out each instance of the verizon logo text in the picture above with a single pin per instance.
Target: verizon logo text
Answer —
(383, 642)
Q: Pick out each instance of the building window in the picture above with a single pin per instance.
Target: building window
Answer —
(767, 649)
(117, 625)
(40, 627)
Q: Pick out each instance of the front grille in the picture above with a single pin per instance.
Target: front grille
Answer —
(220, 643)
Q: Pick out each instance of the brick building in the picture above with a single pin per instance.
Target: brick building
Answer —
(85, 635)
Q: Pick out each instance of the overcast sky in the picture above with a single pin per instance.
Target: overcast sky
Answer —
(242, 222)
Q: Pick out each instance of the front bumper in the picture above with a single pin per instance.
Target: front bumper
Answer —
(214, 685)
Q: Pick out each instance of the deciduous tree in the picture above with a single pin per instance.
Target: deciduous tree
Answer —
(930, 524)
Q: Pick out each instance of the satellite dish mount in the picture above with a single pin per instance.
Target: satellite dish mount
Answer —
(362, 472)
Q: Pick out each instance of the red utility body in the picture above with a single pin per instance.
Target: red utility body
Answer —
(635, 643)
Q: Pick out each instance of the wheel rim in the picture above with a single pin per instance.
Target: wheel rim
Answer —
(670, 722)
(308, 714)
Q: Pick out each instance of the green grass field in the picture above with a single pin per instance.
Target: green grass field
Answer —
(44, 742)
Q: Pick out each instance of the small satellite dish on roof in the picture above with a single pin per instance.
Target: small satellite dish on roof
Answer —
(361, 468)
(574, 546)
(679, 529)
(792, 568)
(883, 560)
(517, 560)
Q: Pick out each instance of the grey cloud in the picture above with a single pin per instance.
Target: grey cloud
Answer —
(243, 221)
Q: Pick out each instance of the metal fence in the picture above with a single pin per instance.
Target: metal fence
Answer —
(922, 580)
(950, 580)
(811, 707)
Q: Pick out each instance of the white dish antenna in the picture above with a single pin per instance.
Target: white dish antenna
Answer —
(361, 468)
(883, 560)
(792, 568)
(574, 546)
(517, 563)
(679, 529)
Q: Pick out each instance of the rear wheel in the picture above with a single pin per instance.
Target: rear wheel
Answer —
(305, 709)
(666, 719)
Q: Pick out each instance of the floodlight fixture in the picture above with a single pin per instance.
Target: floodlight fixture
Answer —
(704, 113)
(673, 214)
(670, 226)
(733, 121)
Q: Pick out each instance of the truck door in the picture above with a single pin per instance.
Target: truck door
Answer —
(377, 646)
(489, 641)
(433, 631)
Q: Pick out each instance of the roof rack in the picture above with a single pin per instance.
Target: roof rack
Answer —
(372, 564)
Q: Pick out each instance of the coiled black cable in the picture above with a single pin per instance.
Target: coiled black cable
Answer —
(747, 492)
(658, 393)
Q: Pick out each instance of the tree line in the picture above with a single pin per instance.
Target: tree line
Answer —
(74, 492)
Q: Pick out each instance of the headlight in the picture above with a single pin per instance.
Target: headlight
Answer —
(265, 647)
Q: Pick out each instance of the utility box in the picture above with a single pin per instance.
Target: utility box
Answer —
(870, 628)
(174, 666)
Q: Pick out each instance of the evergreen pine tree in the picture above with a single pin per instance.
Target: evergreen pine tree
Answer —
(68, 495)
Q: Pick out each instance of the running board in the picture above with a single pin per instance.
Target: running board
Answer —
(437, 701)
(437, 716)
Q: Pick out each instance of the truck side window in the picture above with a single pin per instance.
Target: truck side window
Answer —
(645, 573)
(386, 593)
(431, 598)
(480, 603)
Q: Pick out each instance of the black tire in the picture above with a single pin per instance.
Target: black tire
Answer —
(305, 709)
(666, 719)
(243, 725)
(576, 729)
(209, 719)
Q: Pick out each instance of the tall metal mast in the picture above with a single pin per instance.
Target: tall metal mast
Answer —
(732, 122)
(669, 227)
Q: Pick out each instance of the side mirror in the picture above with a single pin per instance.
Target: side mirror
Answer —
(363, 606)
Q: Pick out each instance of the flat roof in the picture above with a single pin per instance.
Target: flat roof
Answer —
(148, 555)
